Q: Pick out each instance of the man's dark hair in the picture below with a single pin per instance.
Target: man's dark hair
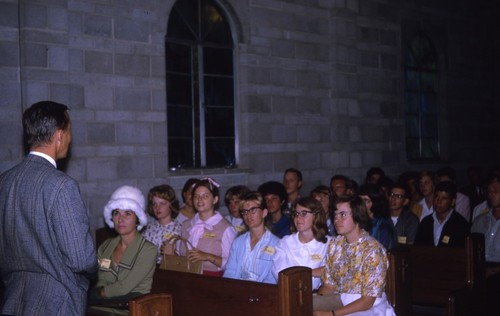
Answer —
(273, 187)
(447, 186)
(447, 172)
(296, 171)
(41, 120)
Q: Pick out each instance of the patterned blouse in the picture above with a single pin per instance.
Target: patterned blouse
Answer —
(356, 268)
(156, 233)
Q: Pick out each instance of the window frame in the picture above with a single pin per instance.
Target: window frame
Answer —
(198, 138)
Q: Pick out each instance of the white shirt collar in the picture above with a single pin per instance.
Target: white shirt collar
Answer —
(39, 154)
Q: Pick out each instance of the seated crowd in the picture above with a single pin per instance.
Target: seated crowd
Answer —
(342, 232)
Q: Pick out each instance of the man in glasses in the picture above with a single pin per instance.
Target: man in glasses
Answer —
(404, 221)
(251, 255)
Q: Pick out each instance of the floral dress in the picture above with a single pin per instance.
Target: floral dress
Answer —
(156, 234)
(358, 269)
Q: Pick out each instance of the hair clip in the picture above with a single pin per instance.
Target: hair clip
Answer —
(211, 181)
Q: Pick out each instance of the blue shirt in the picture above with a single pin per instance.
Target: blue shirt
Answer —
(252, 264)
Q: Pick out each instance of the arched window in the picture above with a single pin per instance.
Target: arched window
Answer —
(200, 86)
(420, 100)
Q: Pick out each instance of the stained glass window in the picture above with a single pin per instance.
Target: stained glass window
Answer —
(420, 100)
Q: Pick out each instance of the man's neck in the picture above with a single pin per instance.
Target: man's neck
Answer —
(276, 216)
(429, 200)
(397, 212)
(292, 197)
(442, 216)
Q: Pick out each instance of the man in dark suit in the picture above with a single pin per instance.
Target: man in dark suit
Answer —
(47, 252)
(444, 227)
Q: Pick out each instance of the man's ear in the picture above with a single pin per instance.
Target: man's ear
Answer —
(406, 201)
(58, 135)
(265, 212)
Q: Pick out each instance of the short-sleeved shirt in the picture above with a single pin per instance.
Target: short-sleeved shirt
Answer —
(359, 267)
(488, 225)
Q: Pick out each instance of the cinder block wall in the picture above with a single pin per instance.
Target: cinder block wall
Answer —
(319, 87)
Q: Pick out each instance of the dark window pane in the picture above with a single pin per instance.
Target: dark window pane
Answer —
(430, 148)
(412, 126)
(412, 103)
(179, 89)
(412, 80)
(220, 152)
(214, 25)
(180, 120)
(182, 25)
(412, 148)
(429, 81)
(429, 105)
(429, 127)
(218, 91)
(218, 61)
(219, 122)
(180, 153)
(178, 58)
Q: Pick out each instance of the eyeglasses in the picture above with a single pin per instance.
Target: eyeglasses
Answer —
(341, 215)
(251, 210)
(396, 196)
(302, 213)
(201, 196)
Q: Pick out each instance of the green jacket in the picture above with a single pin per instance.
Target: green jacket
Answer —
(135, 271)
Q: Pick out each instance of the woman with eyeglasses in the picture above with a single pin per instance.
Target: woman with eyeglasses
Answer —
(307, 245)
(251, 255)
(210, 234)
(356, 266)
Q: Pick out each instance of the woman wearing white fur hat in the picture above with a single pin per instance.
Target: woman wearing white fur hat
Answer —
(126, 262)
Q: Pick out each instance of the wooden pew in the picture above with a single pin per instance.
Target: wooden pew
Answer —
(195, 295)
(449, 278)
(398, 282)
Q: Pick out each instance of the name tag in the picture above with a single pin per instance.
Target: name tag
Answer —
(316, 257)
(402, 239)
(446, 239)
(104, 263)
(240, 229)
(269, 250)
(209, 235)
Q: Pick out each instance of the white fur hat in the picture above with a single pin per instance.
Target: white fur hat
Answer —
(126, 198)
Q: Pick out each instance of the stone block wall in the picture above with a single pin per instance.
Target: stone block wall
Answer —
(319, 87)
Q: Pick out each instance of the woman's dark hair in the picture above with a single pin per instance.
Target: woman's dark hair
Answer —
(209, 184)
(380, 206)
(319, 228)
(237, 190)
(358, 209)
(42, 120)
(253, 196)
(166, 193)
(188, 185)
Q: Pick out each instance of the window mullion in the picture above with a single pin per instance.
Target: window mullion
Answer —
(201, 105)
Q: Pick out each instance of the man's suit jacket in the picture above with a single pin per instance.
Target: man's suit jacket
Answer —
(453, 234)
(47, 251)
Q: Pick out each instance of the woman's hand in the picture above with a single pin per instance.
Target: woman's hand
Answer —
(167, 248)
(195, 255)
